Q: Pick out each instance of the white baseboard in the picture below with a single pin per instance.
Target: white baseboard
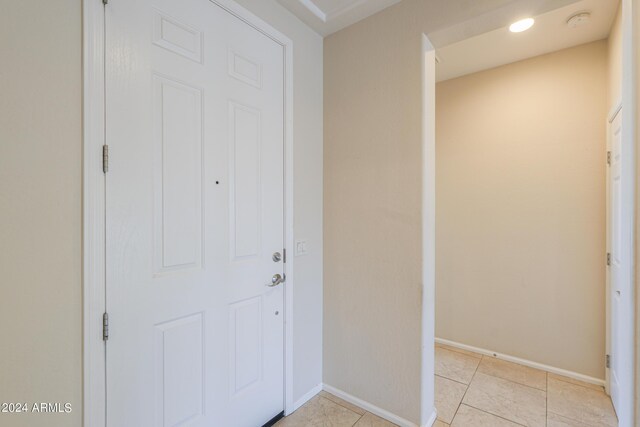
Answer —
(304, 399)
(382, 413)
(529, 363)
(432, 419)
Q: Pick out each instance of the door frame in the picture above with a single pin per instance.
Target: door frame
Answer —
(94, 206)
(624, 413)
(428, 413)
(611, 115)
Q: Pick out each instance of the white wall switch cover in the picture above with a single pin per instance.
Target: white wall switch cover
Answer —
(301, 247)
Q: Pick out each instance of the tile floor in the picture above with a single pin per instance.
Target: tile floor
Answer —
(475, 390)
(480, 391)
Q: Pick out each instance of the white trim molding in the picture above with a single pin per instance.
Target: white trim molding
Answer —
(306, 397)
(432, 419)
(370, 407)
(94, 208)
(331, 14)
(524, 362)
(313, 8)
(427, 386)
(93, 212)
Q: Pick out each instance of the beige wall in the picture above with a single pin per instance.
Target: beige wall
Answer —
(40, 208)
(40, 203)
(615, 61)
(521, 209)
(372, 272)
(373, 175)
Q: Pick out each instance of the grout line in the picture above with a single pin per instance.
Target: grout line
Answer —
(573, 419)
(492, 414)
(460, 351)
(561, 378)
(513, 382)
(358, 420)
(546, 400)
(455, 381)
(343, 406)
(467, 389)
(546, 374)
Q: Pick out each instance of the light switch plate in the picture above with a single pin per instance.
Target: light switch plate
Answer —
(301, 247)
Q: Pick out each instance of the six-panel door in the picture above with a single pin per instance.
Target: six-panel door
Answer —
(195, 125)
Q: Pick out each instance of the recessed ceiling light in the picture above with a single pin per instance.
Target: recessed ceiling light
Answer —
(521, 25)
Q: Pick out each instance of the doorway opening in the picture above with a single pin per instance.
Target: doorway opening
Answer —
(522, 215)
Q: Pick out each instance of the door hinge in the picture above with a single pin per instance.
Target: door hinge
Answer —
(609, 158)
(105, 2)
(608, 361)
(105, 158)
(284, 255)
(105, 326)
(608, 258)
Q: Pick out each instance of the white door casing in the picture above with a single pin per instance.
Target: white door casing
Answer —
(195, 105)
(620, 296)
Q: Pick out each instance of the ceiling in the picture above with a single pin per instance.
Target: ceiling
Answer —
(445, 21)
(550, 33)
(329, 16)
(473, 35)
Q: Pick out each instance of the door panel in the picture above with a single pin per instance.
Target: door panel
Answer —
(178, 175)
(194, 105)
(620, 295)
(179, 361)
(244, 174)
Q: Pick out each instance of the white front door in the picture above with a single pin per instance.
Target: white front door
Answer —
(194, 196)
(620, 217)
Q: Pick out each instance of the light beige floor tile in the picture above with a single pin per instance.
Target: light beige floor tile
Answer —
(370, 420)
(513, 372)
(459, 350)
(358, 410)
(448, 397)
(320, 412)
(555, 420)
(576, 382)
(515, 402)
(439, 423)
(455, 366)
(472, 417)
(581, 404)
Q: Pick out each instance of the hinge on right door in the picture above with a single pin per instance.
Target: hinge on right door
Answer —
(284, 255)
(105, 326)
(608, 361)
(609, 158)
(608, 258)
(105, 158)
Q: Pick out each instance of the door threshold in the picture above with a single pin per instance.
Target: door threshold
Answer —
(274, 420)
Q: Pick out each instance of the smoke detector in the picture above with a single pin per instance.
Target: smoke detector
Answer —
(579, 19)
